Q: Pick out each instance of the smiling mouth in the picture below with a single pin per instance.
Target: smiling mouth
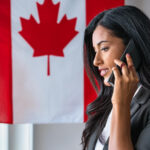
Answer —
(103, 72)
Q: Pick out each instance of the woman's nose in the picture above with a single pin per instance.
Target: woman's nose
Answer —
(97, 60)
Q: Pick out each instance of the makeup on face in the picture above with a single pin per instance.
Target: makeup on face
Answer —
(107, 47)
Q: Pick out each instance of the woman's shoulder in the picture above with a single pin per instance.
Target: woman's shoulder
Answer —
(140, 112)
(140, 119)
(142, 96)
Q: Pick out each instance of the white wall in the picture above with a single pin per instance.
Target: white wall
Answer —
(16, 137)
(20, 137)
(4, 137)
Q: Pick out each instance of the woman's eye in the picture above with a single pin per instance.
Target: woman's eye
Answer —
(104, 48)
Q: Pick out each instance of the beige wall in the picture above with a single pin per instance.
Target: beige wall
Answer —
(142, 4)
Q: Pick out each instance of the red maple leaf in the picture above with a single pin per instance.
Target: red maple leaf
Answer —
(48, 37)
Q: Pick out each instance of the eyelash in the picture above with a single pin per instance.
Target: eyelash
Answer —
(104, 48)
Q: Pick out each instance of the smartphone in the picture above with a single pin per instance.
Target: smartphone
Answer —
(135, 55)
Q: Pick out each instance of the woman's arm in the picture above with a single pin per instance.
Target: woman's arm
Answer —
(120, 138)
(124, 89)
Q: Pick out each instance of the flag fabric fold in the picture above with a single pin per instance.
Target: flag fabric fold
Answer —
(42, 77)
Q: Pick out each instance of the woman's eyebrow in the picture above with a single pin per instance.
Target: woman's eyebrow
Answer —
(99, 43)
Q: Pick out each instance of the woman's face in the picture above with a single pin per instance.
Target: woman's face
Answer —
(107, 47)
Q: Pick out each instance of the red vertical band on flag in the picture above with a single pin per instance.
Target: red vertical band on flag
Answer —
(5, 63)
(93, 7)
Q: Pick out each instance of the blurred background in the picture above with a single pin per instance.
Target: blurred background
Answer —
(54, 136)
(40, 137)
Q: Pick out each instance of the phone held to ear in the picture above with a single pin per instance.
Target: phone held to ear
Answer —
(135, 55)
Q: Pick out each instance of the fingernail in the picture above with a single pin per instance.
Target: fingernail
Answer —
(128, 55)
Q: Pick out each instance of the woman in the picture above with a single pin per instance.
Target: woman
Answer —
(127, 104)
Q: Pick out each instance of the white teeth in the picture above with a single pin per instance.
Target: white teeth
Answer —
(103, 72)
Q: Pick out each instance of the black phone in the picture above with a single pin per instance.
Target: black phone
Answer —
(136, 57)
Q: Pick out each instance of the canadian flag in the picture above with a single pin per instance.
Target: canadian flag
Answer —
(42, 77)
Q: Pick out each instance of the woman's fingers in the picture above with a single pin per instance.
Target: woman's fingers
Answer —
(123, 66)
(129, 60)
(131, 65)
(128, 70)
(116, 72)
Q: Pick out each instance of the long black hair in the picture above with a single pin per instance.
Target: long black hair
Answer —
(125, 22)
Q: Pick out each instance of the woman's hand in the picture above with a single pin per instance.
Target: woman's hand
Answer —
(126, 84)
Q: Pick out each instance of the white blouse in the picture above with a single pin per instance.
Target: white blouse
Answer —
(105, 133)
(106, 130)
